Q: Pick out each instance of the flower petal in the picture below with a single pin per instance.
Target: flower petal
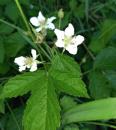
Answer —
(49, 20)
(21, 68)
(59, 43)
(51, 26)
(69, 31)
(34, 55)
(59, 34)
(34, 21)
(78, 39)
(28, 66)
(38, 29)
(20, 60)
(33, 67)
(41, 17)
(72, 49)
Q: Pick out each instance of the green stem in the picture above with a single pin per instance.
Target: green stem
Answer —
(38, 48)
(41, 57)
(60, 22)
(22, 14)
(4, 78)
(63, 51)
(89, 52)
(44, 52)
(48, 49)
(12, 25)
(86, 72)
(24, 18)
(101, 124)
(54, 50)
(13, 115)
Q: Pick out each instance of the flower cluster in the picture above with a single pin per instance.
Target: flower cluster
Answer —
(65, 39)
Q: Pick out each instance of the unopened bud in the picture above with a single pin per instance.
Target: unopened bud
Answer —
(84, 60)
(40, 38)
(61, 13)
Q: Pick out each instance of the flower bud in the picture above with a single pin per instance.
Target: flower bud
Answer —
(61, 13)
(84, 60)
(40, 38)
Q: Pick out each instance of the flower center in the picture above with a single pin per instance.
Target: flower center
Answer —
(67, 40)
(42, 23)
(29, 61)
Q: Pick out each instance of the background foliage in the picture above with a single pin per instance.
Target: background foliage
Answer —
(96, 21)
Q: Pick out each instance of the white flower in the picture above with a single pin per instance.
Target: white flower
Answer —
(28, 62)
(67, 40)
(42, 23)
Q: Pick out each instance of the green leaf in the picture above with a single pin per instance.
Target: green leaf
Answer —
(86, 126)
(4, 68)
(11, 124)
(107, 31)
(111, 76)
(4, 2)
(42, 104)
(67, 76)
(103, 81)
(71, 127)
(106, 59)
(2, 52)
(96, 110)
(13, 44)
(73, 5)
(67, 102)
(99, 85)
(5, 29)
(25, 2)
(21, 84)
(12, 12)
(2, 106)
(102, 84)
(1, 12)
(79, 11)
(42, 111)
